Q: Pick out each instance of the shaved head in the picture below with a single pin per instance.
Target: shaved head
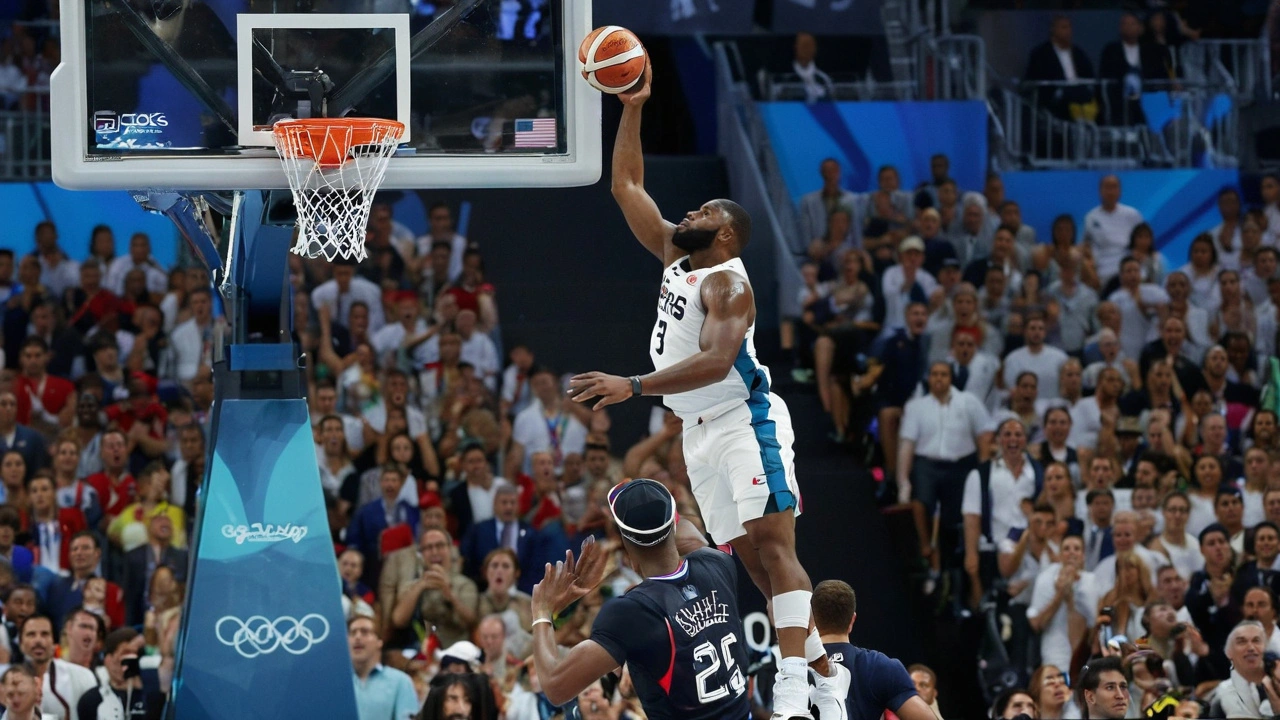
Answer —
(738, 220)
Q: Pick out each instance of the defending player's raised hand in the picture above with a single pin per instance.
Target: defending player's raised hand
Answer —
(562, 586)
(608, 389)
(640, 93)
(592, 560)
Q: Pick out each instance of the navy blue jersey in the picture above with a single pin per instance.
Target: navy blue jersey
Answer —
(681, 637)
(877, 682)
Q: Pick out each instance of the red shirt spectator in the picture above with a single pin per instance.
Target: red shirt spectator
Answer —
(141, 406)
(50, 392)
(115, 486)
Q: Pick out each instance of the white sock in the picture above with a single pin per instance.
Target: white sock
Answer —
(793, 666)
(813, 649)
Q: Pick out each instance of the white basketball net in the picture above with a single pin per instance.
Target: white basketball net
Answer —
(334, 170)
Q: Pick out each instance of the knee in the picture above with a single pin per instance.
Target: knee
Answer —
(775, 555)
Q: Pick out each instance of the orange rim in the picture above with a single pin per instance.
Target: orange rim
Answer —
(315, 137)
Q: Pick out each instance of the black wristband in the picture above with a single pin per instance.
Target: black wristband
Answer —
(636, 390)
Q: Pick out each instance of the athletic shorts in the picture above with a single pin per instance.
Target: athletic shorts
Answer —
(741, 465)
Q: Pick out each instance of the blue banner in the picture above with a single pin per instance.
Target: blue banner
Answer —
(263, 634)
(75, 213)
(1179, 204)
(865, 135)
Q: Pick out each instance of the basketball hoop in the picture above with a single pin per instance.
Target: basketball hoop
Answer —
(334, 167)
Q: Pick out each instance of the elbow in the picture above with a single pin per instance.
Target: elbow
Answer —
(556, 694)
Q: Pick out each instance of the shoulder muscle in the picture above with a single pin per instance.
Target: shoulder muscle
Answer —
(727, 294)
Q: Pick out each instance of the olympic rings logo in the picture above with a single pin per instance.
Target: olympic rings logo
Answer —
(261, 636)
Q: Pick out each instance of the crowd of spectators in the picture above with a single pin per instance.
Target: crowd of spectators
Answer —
(1133, 482)
(453, 469)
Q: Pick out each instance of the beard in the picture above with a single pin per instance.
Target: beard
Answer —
(692, 239)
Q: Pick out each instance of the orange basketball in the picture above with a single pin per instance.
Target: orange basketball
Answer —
(612, 59)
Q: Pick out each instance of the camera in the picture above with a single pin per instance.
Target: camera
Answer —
(132, 668)
(1177, 630)
(1269, 662)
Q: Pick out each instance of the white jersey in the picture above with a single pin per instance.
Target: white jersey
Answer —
(676, 336)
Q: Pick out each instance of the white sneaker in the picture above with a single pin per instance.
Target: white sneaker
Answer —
(791, 697)
(829, 693)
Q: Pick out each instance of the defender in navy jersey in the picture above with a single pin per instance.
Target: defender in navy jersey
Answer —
(678, 632)
(737, 433)
(878, 682)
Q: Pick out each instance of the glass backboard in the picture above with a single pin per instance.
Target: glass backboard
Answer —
(181, 94)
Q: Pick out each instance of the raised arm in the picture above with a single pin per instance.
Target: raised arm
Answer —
(640, 210)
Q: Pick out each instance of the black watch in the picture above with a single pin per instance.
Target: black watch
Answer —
(636, 391)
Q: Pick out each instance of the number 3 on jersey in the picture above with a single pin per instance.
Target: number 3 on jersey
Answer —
(707, 651)
(661, 335)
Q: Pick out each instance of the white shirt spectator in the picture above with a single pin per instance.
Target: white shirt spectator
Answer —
(515, 389)
(480, 351)
(1104, 576)
(340, 303)
(1107, 235)
(1254, 286)
(187, 343)
(1089, 379)
(73, 682)
(59, 278)
(1076, 315)
(1204, 288)
(1068, 63)
(1227, 260)
(457, 242)
(1254, 512)
(1055, 644)
(1202, 515)
(1007, 494)
(538, 433)
(896, 297)
(482, 500)
(389, 338)
(944, 430)
(157, 279)
(12, 83)
(1086, 423)
(1187, 559)
(376, 416)
(1268, 328)
(1046, 364)
(352, 430)
(332, 482)
(982, 376)
(1123, 498)
(1029, 569)
(814, 217)
(1137, 326)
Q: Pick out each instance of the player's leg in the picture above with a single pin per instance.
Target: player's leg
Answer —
(755, 460)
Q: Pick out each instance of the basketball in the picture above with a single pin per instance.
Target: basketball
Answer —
(612, 59)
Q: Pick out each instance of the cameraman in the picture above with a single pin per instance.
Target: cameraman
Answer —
(120, 694)
(1178, 644)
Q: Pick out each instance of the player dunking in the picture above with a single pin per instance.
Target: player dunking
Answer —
(737, 435)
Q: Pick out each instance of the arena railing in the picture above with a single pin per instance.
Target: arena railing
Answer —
(24, 137)
(1035, 129)
(755, 177)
